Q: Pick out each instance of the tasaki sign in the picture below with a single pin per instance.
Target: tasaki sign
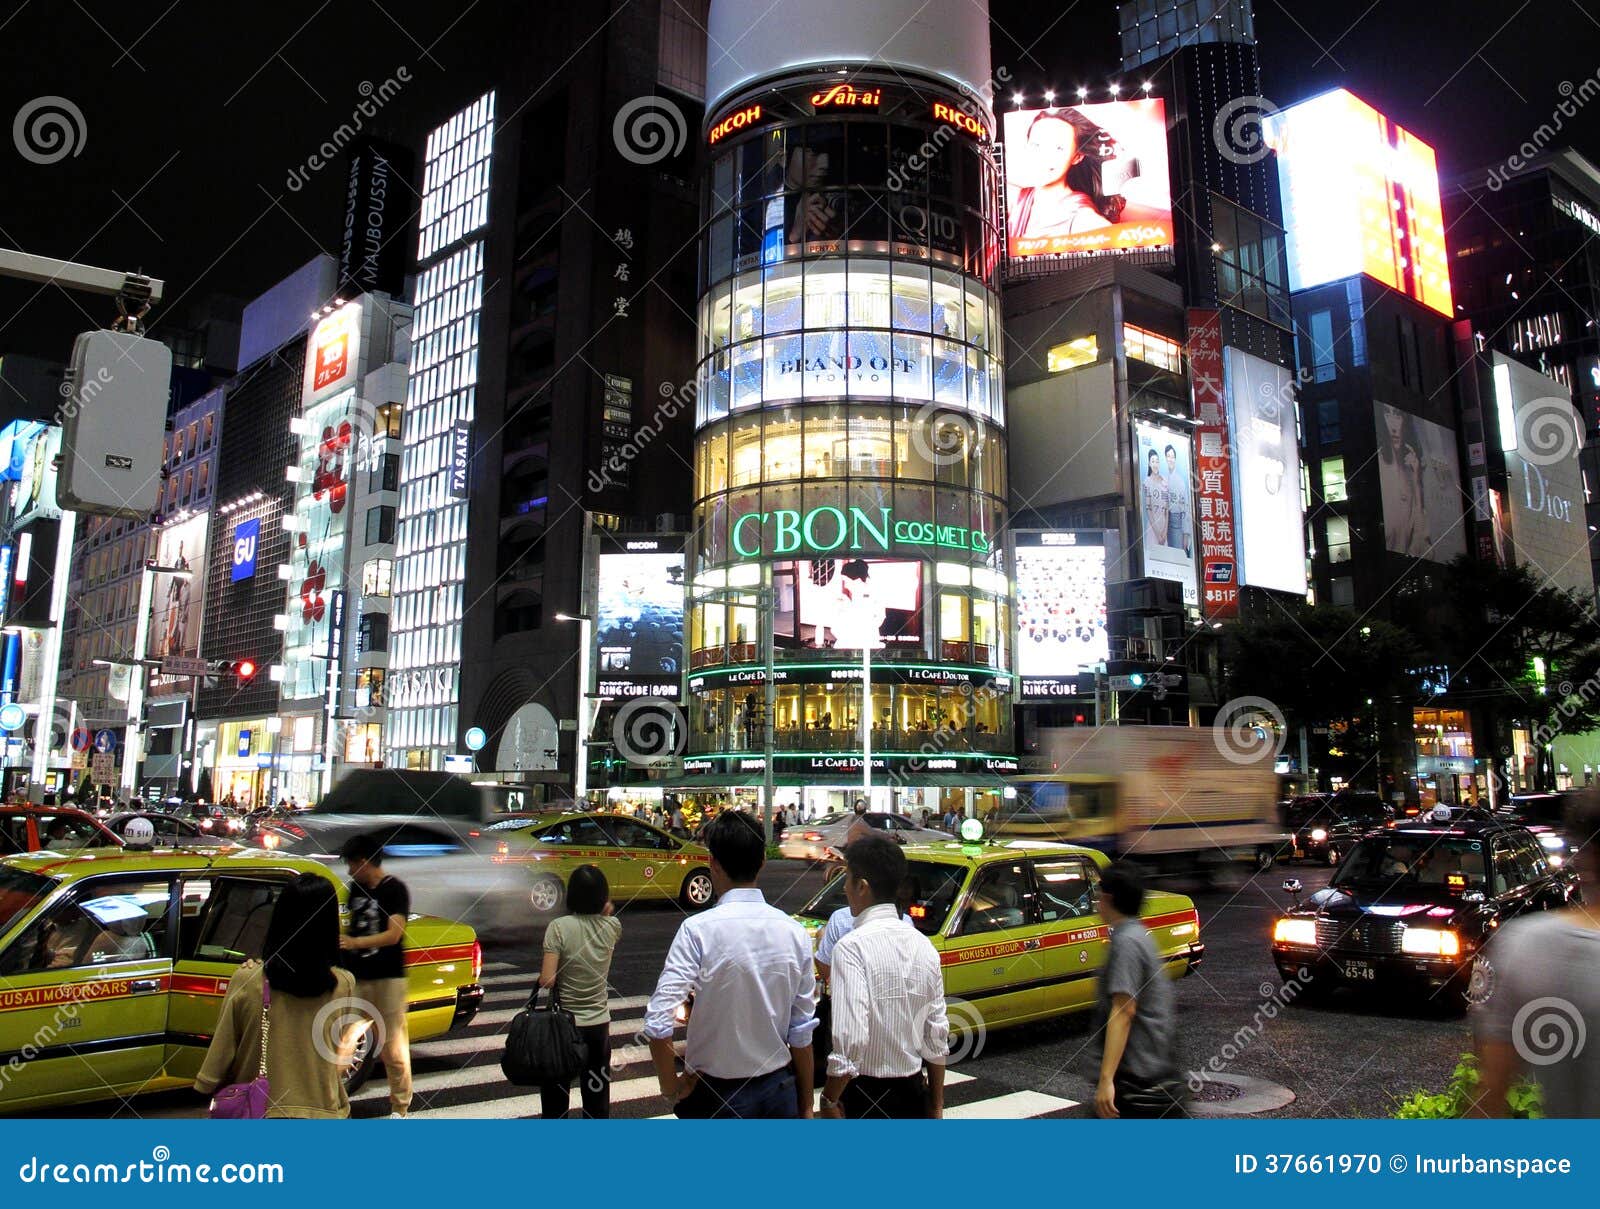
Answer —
(828, 529)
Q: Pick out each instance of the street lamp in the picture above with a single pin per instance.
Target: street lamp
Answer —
(580, 762)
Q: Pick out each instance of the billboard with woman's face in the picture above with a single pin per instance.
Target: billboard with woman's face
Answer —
(1166, 525)
(1420, 480)
(1087, 178)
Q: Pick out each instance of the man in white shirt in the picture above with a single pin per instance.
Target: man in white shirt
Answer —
(891, 1035)
(749, 969)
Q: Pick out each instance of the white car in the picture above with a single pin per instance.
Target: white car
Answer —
(823, 839)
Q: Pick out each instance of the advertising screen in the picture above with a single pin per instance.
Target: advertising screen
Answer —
(639, 622)
(1544, 482)
(1060, 609)
(1087, 178)
(332, 360)
(1360, 195)
(849, 603)
(175, 620)
(1268, 520)
(1420, 481)
(33, 459)
(1166, 518)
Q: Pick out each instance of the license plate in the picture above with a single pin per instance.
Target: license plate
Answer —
(1359, 971)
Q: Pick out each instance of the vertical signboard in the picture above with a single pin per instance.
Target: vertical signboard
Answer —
(1219, 562)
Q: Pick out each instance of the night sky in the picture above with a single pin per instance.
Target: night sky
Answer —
(193, 123)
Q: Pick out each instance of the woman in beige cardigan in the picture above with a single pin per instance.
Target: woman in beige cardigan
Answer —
(311, 999)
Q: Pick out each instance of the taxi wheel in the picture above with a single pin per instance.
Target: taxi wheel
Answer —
(545, 894)
(697, 891)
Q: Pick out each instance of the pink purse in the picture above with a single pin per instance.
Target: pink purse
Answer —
(248, 1101)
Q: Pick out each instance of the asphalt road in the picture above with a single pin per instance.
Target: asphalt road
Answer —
(1350, 1058)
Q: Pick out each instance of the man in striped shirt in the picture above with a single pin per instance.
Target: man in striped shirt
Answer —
(890, 1032)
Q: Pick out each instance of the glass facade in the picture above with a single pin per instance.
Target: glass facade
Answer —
(850, 427)
(429, 575)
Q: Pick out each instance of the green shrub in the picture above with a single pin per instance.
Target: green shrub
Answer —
(1523, 1098)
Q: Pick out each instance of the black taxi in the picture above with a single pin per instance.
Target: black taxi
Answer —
(1413, 907)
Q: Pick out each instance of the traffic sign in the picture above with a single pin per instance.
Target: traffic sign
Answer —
(12, 716)
(105, 741)
(184, 665)
(103, 767)
(81, 739)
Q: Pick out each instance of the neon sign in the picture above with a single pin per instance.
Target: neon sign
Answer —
(747, 116)
(959, 119)
(843, 96)
(826, 529)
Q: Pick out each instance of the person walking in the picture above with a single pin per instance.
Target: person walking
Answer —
(1544, 1000)
(294, 988)
(1136, 1011)
(577, 963)
(891, 1034)
(749, 967)
(779, 822)
(375, 953)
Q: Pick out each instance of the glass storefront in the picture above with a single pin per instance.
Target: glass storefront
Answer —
(850, 430)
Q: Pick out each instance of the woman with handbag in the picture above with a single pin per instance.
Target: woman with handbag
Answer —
(577, 967)
(275, 1052)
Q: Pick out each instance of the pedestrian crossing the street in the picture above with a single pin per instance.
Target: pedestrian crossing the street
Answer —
(459, 1076)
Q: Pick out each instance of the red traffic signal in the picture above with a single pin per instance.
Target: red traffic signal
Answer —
(245, 669)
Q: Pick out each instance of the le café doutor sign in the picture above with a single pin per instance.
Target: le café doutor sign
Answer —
(826, 530)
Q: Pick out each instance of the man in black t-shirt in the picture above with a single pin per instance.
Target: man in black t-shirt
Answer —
(374, 952)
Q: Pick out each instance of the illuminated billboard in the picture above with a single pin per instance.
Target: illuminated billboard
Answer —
(1360, 195)
(1166, 516)
(33, 460)
(175, 598)
(1269, 525)
(1087, 178)
(1420, 481)
(639, 618)
(335, 351)
(1060, 610)
(1540, 437)
(849, 603)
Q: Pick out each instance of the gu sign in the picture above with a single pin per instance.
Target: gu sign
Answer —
(246, 538)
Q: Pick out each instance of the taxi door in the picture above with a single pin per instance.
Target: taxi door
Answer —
(992, 956)
(651, 857)
(1076, 938)
(83, 992)
(222, 924)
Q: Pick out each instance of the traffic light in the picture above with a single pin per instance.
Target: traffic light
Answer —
(242, 670)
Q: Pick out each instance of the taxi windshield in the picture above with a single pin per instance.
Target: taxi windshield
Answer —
(19, 891)
(1451, 864)
(926, 896)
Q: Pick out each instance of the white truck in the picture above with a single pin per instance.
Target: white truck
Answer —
(1170, 797)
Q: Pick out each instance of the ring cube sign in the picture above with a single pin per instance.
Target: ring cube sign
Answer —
(113, 423)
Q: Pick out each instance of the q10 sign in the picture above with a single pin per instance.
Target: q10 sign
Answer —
(1360, 195)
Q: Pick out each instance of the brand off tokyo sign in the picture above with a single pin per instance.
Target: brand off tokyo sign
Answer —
(828, 529)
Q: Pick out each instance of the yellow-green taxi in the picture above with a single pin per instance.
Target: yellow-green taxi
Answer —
(113, 965)
(1017, 926)
(639, 861)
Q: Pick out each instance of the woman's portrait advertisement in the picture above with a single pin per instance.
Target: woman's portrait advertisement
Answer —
(1423, 510)
(1087, 178)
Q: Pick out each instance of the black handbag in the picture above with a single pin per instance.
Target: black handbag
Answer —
(543, 1045)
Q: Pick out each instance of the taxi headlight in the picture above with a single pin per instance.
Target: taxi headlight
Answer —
(1318, 834)
(1557, 860)
(1430, 942)
(1295, 932)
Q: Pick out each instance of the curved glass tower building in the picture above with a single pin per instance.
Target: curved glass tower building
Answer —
(850, 453)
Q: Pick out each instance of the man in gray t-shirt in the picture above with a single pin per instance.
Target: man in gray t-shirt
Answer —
(1542, 1014)
(1135, 1011)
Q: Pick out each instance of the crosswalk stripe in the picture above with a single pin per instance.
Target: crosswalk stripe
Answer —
(482, 1073)
(1013, 1106)
(952, 1078)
